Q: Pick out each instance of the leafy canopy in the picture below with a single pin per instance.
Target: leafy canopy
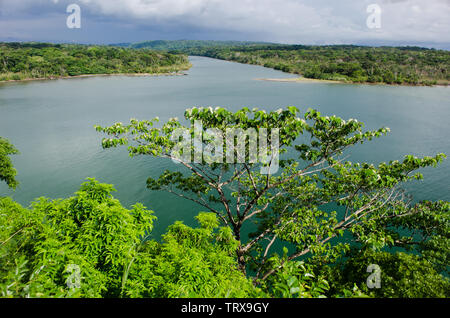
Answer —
(89, 245)
(7, 171)
(318, 205)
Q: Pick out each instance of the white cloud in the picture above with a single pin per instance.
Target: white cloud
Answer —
(294, 20)
(291, 21)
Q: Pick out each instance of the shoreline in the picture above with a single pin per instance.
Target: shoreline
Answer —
(314, 80)
(52, 78)
(299, 79)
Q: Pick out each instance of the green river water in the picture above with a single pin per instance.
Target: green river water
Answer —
(52, 124)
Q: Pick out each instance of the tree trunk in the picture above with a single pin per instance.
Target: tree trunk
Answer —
(240, 252)
(241, 259)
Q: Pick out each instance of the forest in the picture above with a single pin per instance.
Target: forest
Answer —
(345, 63)
(19, 61)
(389, 65)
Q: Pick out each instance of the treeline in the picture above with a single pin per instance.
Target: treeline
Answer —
(41, 60)
(348, 63)
(390, 65)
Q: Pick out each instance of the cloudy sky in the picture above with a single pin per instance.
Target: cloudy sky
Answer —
(403, 22)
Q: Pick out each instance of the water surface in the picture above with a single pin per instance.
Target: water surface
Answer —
(51, 123)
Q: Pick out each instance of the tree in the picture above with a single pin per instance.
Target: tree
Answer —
(89, 238)
(39, 60)
(313, 206)
(402, 276)
(416, 268)
(190, 263)
(7, 171)
(392, 65)
(90, 246)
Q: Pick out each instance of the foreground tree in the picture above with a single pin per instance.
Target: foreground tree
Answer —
(314, 206)
(7, 171)
(90, 246)
(190, 262)
(417, 268)
(73, 247)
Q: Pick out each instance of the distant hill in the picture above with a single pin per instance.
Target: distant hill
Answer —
(121, 44)
(184, 45)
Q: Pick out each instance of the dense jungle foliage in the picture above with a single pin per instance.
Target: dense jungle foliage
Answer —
(348, 63)
(390, 65)
(20, 61)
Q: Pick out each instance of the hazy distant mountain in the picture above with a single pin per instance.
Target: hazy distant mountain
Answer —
(121, 44)
(182, 45)
(190, 46)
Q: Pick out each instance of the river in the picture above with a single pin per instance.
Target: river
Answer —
(52, 124)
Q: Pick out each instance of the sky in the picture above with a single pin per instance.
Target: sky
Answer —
(400, 22)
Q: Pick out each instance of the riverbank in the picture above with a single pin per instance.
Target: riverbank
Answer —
(312, 80)
(94, 75)
(440, 83)
(299, 79)
(41, 61)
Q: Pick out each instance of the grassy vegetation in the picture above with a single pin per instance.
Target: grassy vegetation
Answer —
(20, 61)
